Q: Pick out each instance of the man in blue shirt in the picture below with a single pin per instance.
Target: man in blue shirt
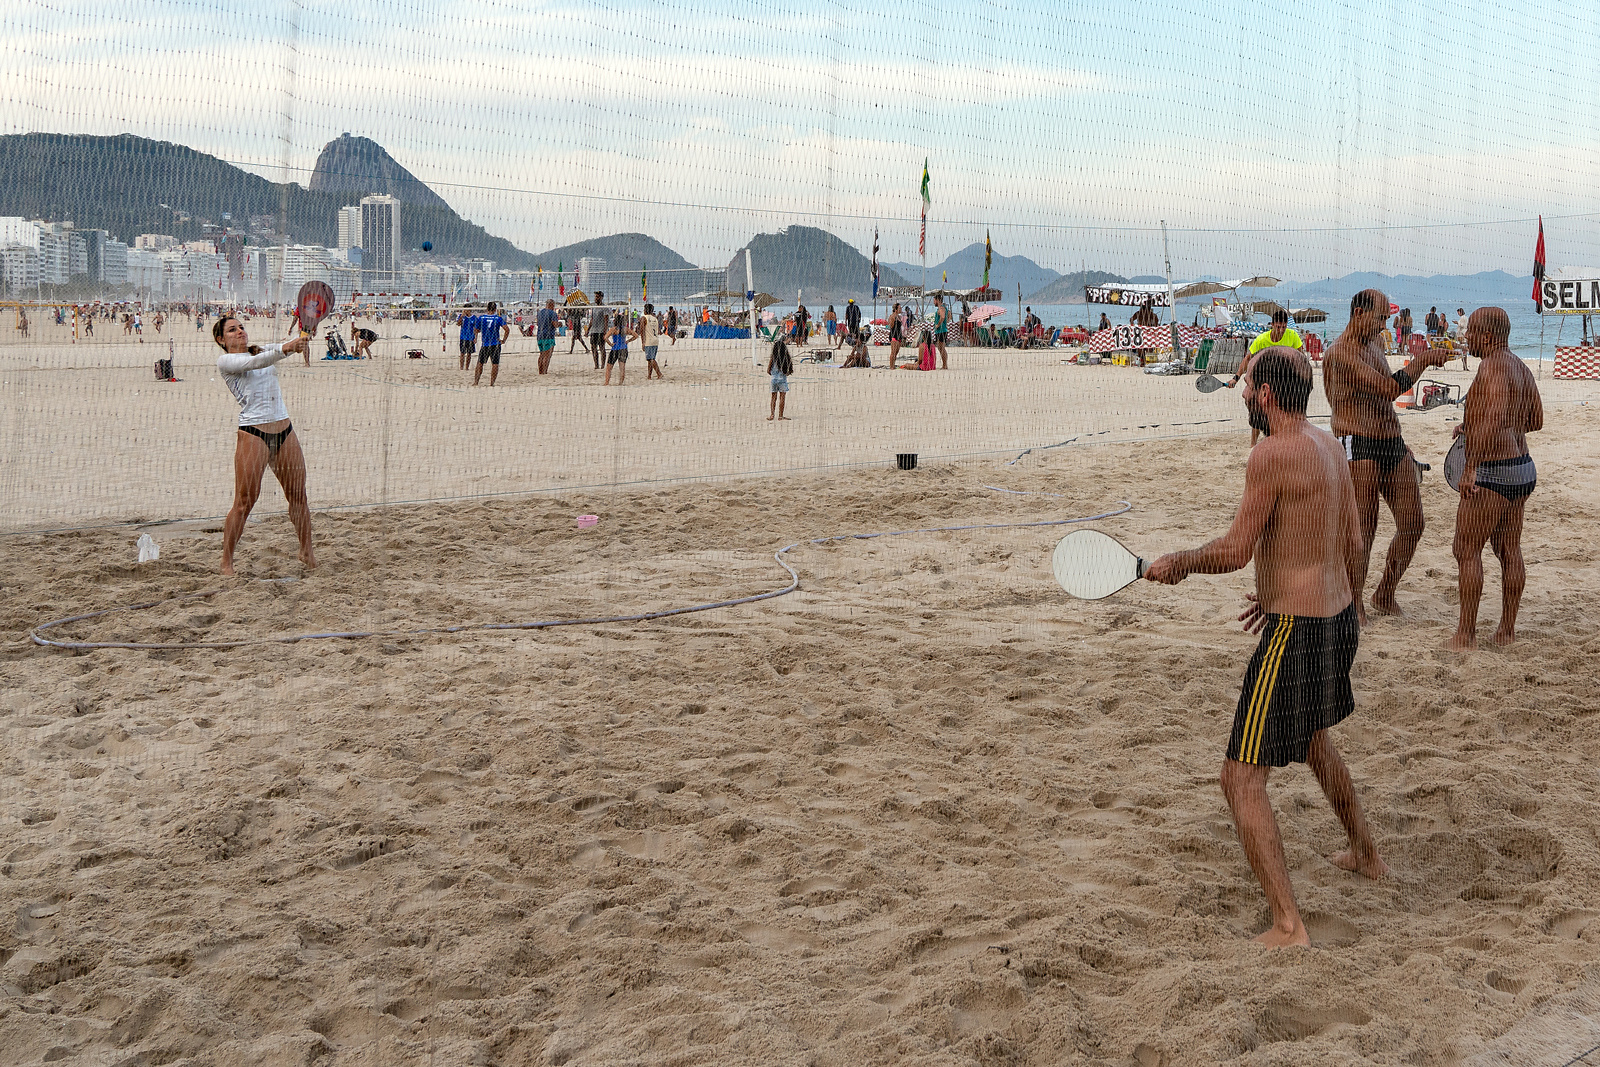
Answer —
(492, 331)
(469, 331)
(546, 332)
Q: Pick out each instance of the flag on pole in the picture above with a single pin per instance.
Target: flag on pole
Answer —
(922, 239)
(988, 254)
(1538, 268)
(946, 279)
(874, 263)
(561, 276)
(540, 272)
(644, 283)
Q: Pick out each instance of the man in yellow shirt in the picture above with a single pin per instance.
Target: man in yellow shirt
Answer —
(1280, 335)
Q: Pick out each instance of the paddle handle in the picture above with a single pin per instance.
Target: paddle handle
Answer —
(1144, 566)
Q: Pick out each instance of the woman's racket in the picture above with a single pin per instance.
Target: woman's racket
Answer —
(1209, 383)
(1091, 565)
(1455, 463)
(312, 306)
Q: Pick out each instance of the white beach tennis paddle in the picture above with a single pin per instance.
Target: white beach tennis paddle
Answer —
(1209, 383)
(1455, 463)
(1091, 565)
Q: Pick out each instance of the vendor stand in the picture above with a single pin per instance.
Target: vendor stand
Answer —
(1567, 292)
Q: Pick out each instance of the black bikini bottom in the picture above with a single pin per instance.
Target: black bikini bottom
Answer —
(274, 441)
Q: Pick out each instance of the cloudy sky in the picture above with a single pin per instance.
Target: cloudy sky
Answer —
(1303, 140)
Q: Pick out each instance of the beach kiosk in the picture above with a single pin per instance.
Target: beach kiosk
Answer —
(1567, 292)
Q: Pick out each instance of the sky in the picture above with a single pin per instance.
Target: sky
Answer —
(1293, 139)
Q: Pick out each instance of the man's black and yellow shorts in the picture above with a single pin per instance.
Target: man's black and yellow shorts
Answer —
(1298, 682)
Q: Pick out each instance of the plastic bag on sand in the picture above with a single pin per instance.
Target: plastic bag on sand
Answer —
(148, 549)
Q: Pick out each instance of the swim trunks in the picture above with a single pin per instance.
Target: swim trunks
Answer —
(1386, 451)
(1513, 478)
(489, 354)
(780, 383)
(650, 352)
(467, 346)
(1298, 682)
(547, 346)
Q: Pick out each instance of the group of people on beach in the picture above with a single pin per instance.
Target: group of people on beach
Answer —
(1308, 519)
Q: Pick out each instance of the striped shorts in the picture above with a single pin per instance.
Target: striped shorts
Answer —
(1298, 682)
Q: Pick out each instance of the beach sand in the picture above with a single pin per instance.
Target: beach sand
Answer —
(924, 810)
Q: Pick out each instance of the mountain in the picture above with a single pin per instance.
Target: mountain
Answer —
(814, 261)
(966, 271)
(1409, 290)
(1068, 288)
(130, 185)
(354, 167)
(621, 251)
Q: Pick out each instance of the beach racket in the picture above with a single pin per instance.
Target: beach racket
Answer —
(1091, 565)
(312, 305)
(1455, 463)
(1209, 383)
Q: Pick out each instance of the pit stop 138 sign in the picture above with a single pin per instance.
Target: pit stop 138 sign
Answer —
(1570, 296)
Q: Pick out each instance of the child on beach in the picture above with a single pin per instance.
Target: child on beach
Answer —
(780, 366)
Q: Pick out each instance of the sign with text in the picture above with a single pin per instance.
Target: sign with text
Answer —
(1570, 296)
(1129, 296)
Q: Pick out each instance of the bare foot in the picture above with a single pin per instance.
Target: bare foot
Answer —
(1273, 937)
(308, 561)
(227, 568)
(1372, 867)
(1386, 606)
(783, 418)
(1460, 642)
(1504, 638)
(770, 418)
(1361, 615)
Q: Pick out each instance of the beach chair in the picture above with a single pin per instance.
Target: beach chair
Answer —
(1203, 356)
(1419, 345)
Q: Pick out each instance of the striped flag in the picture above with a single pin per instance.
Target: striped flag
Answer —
(874, 263)
(1538, 268)
(561, 276)
(922, 239)
(644, 281)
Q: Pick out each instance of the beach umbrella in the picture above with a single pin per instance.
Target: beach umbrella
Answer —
(988, 311)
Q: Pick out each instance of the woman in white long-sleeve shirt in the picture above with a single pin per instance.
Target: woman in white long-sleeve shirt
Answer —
(266, 437)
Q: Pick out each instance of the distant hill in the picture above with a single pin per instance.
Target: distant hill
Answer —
(130, 185)
(1409, 290)
(1068, 288)
(826, 268)
(966, 271)
(354, 167)
(621, 251)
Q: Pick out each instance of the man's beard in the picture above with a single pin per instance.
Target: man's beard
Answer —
(1258, 417)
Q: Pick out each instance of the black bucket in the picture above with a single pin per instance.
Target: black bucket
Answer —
(906, 461)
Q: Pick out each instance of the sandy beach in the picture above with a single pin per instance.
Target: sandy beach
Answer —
(926, 809)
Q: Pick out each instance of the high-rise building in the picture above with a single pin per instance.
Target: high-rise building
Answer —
(589, 270)
(349, 227)
(380, 242)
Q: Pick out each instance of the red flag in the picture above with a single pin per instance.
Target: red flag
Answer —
(922, 239)
(1538, 267)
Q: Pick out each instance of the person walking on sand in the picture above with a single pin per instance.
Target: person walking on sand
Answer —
(1501, 409)
(897, 335)
(265, 436)
(599, 326)
(941, 332)
(1361, 391)
(617, 334)
(650, 341)
(852, 319)
(1461, 336)
(575, 330)
(545, 333)
(672, 326)
(1298, 521)
(780, 365)
(830, 322)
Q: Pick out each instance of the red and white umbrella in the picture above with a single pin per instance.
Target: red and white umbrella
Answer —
(986, 312)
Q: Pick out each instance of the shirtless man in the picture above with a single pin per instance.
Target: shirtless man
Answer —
(1298, 520)
(1361, 392)
(1502, 408)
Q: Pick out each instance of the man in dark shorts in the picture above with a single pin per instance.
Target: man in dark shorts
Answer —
(941, 331)
(852, 319)
(545, 332)
(1502, 408)
(361, 340)
(1298, 521)
(492, 332)
(575, 330)
(1361, 391)
(469, 334)
(599, 322)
